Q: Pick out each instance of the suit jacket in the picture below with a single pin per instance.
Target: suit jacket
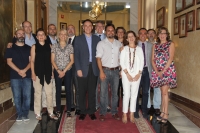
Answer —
(103, 35)
(81, 54)
(73, 66)
(148, 57)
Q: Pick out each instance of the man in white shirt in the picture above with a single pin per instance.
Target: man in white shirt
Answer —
(108, 62)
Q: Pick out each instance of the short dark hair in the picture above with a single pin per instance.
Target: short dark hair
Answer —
(25, 22)
(38, 30)
(142, 29)
(136, 38)
(87, 20)
(51, 25)
(112, 25)
(151, 30)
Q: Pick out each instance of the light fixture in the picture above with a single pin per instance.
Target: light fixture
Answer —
(127, 5)
(96, 9)
(86, 4)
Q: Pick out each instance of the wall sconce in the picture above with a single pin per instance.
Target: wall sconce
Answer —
(127, 5)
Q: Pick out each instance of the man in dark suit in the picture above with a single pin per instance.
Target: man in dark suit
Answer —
(52, 32)
(86, 68)
(74, 89)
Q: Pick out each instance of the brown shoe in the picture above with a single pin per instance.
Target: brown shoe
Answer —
(116, 116)
(102, 118)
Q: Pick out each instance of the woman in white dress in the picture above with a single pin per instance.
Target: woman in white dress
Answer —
(132, 63)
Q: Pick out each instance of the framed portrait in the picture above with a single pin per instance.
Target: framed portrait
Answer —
(188, 3)
(176, 26)
(198, 2)
(182, 26)
(190, 20)
(63, 25)
(178, 5)
(198, 18)
(160, 17)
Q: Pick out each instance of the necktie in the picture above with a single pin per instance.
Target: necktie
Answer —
(143, 48)
(69, 41)
(100, 36)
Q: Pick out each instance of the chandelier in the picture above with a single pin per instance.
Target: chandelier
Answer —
(96, 9)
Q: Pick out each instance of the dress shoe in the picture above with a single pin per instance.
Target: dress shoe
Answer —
(116, 116)
(102, 118)
(93, 117)
(82, 117)
(77, 112)
(72, 109)
(157, 112)
(145, 115)
(136, 115)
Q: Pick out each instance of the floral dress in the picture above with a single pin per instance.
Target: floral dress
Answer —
(161, 56)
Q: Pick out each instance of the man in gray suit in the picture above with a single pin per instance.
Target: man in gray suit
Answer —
(146, 73)
(86, 68)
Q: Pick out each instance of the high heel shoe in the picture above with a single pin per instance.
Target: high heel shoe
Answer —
(132, 120)
(159, 118)
(164, 120)
(124, 119)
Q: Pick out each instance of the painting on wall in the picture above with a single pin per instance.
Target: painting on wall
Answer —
(182, 26)
(198, 18)
(6, 34)
(190, 20)
(188, 3)
(160, 17)
(178, 5)
(63, 25)
(176, 26)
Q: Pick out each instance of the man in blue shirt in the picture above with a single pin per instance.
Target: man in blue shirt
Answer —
(20, 75)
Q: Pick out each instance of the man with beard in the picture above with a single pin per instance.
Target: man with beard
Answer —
(20, 75)
(107, 55)
(151, 34)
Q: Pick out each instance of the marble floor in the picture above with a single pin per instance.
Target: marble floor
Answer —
(178, 123)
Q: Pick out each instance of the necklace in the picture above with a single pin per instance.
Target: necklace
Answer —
(131, 64)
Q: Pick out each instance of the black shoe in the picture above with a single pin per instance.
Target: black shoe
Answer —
(77, 112)
(69, 114)
(82, 117)
(72, 109)
(93, 117)
(145, 115)
(157, 112)
(136, 115)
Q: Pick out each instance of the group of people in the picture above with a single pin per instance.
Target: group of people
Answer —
(91, 66)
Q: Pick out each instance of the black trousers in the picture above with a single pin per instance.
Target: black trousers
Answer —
(87, 92)
(74, 93)
(32, 97)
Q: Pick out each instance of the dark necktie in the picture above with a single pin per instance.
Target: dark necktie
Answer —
(143, 48)
(69, 41)
(100, 36)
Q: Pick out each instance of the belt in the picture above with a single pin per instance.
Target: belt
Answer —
(114, 68)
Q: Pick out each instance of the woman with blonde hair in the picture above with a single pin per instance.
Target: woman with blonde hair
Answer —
(62, 58)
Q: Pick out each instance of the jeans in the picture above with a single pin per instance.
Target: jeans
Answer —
(144, 84)
(21, 89)
(67, 82)
(156, 99)
(112, 78)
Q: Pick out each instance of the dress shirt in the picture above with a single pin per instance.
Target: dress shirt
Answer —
(89, 43)
(140, 44)
(102, 36)
(109, 52)
(72, 38)
(30, 41)
(53, 41)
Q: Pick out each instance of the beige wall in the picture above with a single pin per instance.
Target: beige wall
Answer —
(187, 59)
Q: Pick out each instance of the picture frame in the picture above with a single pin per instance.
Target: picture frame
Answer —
(197, 1)
(176, 25)
(63, 25)
(178, 5)
(188, 3)
(198, 19)
(160, 18)
(182, 26)
(190, 20)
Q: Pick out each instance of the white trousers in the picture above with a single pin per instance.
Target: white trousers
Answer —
(130, 92)
(44, 101)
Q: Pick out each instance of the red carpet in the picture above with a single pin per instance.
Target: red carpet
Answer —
(110, 125)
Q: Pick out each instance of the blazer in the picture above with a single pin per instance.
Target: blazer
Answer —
(148, 57)
(81, 54)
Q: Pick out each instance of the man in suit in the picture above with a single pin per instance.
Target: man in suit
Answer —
(86, 68)
(52, 32)
(74, 87)
(99, 32)
(146, 73)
